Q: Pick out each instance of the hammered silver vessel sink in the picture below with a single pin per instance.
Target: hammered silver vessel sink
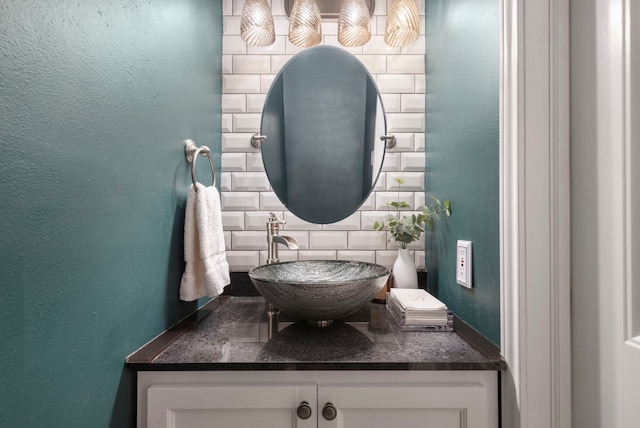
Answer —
(319, 291)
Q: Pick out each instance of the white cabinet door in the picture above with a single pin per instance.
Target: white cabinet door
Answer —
(229, 406)
(442, 405)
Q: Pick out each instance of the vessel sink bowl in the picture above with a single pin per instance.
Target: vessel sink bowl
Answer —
(319, 291)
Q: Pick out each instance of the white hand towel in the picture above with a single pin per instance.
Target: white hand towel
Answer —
(207, 271)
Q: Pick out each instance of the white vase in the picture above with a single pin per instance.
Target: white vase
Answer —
(405, 274)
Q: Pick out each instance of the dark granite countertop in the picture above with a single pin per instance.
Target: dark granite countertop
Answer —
(236, 333)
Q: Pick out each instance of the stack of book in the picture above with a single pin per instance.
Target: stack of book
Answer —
(415, 309)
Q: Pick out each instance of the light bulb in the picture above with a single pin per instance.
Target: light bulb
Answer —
(403, 25)
(305, 27)
(353, 23)
(256, 24)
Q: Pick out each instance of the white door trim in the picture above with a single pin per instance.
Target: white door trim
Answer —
(534, 221)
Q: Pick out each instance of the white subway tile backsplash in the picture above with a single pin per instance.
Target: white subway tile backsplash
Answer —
(227, 241)
(391, 162)
(413, 161)
(391, 103)
(290, 48)
(234, 103)
(420, 141)
(369, 203)
(225, 182)
(238, 5)
(248, 240)
(332, 40)
(329, 27)
(301, 236)
(240, 261)
(257, 220)
(240, 83)
(386, 258)
(381, 183)
(251, 64)
(416, 48)
(249, 182)
(255, 103)
(234, 162)
(350, 223)
(277, 8)
(265, 82)
(233, 45)
(227, 64)
(283, 256)
(246, 123)
(365, 239)
(237, 142)
(296, 223)
(381, 8)
(377, 46)
(396, 83)
(247, 199)
(231, 25)
(278, 61)
(233, 220)
(413, 181)
(270, 202)
(240, 201)
(370, 217)
(227, 7)
(226, 123)
(405, 64)
(254, 162)
(327, 240)
(277, 48)
(420, 84)
(357, 256)
(383, 198)
(281, 25)
(405, 122)
(317, 255)
(412, 103)
(376, 64)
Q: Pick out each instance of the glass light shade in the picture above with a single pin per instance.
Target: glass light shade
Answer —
(305, 28)
(256, 25)
(403, 25)
(353, 23)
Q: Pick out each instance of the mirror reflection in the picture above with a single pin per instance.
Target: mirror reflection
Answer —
(323, 119)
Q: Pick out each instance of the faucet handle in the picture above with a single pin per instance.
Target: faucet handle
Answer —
(273, 218)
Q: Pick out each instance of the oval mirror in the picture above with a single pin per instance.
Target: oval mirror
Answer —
(323, 118)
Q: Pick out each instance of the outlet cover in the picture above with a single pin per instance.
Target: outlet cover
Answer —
(464, 264)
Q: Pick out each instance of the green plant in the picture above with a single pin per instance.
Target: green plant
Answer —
(408, 228)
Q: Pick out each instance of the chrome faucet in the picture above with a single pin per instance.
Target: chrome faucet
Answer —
(274, 238)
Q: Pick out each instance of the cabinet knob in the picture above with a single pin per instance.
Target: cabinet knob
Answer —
(329, 412)
(304, 410)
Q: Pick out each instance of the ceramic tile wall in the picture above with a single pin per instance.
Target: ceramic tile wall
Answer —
(247, 197)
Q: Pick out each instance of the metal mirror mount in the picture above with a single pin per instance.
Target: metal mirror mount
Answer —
(323, 134)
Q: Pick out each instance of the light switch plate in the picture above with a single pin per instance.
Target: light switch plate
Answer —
(464, 263)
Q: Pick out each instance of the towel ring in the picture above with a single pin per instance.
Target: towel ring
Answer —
(191, 152)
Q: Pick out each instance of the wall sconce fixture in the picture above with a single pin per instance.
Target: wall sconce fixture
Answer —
(305, 24)
(403, 25)
(256, 24)
(353, 23)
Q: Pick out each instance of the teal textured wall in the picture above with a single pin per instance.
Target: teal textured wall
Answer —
(462, 143)
(95, 99)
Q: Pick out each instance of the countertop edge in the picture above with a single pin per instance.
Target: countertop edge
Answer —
(143, 358)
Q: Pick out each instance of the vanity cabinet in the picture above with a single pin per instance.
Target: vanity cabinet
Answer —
(322, 399)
